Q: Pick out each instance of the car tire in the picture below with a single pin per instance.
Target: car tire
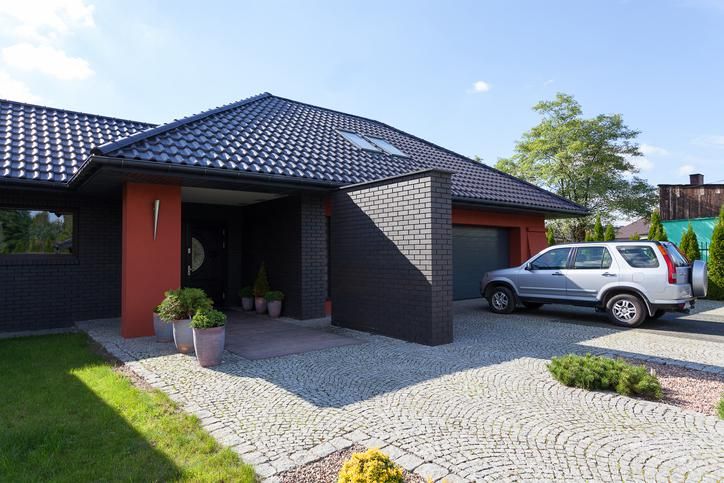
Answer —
(626, 310)
(532, 305)
(657, 314)
(501, 300)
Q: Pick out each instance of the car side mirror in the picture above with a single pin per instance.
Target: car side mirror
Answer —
(528, 266)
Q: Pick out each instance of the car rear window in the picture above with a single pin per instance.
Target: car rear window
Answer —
(676, 256)
(639, 256)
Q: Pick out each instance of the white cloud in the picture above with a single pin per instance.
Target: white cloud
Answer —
(687, 169)
(46, 20)
(548, 82)
(717, 141)
(481, 86)
(15, 90)
(642, 163)
(48, 60)
(649, 150)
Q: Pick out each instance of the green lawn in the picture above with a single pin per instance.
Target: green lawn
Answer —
(66, 415)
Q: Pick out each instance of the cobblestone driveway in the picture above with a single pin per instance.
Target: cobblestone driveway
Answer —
(481, 408)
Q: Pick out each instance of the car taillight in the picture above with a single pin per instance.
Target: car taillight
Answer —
(669, 264)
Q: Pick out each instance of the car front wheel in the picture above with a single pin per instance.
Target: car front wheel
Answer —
(626, 310)
(501, 300)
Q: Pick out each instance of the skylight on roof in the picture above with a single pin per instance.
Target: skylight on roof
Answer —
(386, 146)
(359, 141)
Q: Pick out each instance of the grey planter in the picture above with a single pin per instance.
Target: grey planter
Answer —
(274, 307)
(260, 305)
(209, 344)
(163, 330)
(183, 336)
(247, 303)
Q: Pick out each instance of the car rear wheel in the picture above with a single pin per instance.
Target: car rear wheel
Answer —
(532, 305)
(626, 310)
(501, 300)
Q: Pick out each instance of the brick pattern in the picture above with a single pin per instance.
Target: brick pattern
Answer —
(392, 257)
(49, 292)
(313, 256)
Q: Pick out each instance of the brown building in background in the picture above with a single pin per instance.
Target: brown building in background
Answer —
(689, 201)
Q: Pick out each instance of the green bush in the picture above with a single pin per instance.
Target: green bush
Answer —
(171, 307)
(195, 299)
(656, 228)
(207, 319)
(183, 303)
(610, 233)
(598, 232)
(246, 292)
(274, 295)
(720, 407)
(689, 244)
(372, 466)
(594, 372)
(261, 284)
(550, 236)
(716, 260)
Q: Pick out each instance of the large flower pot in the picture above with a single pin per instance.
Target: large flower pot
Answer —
(209, 344)
(247, 303)
(275, 308)
(260, 304)
(183, 336)
(163, 330)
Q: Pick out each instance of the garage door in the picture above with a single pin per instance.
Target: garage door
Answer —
(476, 250)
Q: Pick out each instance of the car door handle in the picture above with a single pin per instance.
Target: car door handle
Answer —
(606, 274)
(557, 274)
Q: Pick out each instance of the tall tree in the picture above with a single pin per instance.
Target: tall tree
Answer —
(656, 228)
(610, 233)
(716, 260)
(588, 161)
(550, 236)
(597, 230)
(689, 244)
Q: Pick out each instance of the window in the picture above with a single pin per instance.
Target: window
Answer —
(387, 147)
(592, 258)
(359, 141)
(678, 258)
(552, 260)
(35, 232)
(639, 256)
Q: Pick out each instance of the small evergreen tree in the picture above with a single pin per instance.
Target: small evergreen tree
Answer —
(635, 236)
(689, 244)
(656, 229)
(597, 230)
(610, 233)
(588, 237)
(550, 236)
(716, 260)
(261, 284)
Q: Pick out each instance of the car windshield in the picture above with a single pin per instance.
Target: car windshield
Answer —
(676, 256)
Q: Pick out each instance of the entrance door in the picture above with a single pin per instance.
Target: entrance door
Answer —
(204, 259)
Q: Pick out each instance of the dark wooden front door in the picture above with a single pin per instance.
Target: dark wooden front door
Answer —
(204, 255)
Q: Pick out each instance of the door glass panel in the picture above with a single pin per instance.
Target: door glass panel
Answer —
(198, 254)
(552, 260)
(592, 258)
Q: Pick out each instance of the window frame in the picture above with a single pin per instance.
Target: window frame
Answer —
(349, 135)
(572, 265)
(44, 258)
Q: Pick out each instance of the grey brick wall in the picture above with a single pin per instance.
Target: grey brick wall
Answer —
(45, 292)
(392, 257)
(313, 256)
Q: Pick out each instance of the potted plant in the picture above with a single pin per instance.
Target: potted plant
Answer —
(178, 307)
(209, 335)
(247, 298)
(163, 330)
(261, 287)
(274, 302)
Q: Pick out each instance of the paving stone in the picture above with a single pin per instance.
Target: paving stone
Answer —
(409, 461)
(431, 471)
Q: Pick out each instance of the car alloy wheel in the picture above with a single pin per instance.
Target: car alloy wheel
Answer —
(500, 300)
(624, 310)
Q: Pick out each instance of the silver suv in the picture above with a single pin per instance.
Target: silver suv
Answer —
(630, 280)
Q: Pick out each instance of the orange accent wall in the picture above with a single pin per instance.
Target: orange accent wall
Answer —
(149, 267)
(527, 231)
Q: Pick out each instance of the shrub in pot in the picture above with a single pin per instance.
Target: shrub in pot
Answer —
(247, 298)
(209, 336)
(261, 287)
(274, 302)
(178, 307)
(162, 329)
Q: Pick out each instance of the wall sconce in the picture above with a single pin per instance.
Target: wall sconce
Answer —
(156, 206)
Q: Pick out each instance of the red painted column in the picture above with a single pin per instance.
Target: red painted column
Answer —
(149, 267)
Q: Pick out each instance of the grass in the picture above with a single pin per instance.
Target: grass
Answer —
(67, 415)
(594, 372)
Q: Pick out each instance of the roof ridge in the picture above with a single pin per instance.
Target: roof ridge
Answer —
(72, 111)
(162, 128)
(462, 157)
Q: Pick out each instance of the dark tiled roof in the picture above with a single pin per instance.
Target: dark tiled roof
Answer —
(276, 136)
(264, 134)
(45, 144)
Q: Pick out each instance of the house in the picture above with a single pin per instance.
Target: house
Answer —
(639, 227)
(696, 203)
(351, 216)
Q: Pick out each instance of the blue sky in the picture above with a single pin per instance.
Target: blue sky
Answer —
(463, 74)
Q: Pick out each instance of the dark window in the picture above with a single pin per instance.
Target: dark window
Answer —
(386, 146)
(24, 232)
(592, 258)
(552, 260)
(639, 256)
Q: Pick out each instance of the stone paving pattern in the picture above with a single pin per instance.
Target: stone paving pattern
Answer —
(481, 408)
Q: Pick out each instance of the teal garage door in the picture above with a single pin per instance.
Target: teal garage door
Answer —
(476, 250)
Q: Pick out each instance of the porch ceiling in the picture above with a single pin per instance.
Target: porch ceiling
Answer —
(212, 196)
